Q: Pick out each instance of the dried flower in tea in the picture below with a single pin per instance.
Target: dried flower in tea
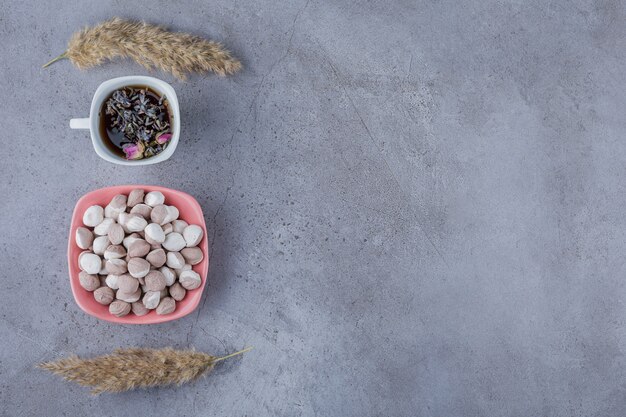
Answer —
(137, 122)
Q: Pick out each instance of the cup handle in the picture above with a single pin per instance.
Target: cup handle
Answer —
(79, 123)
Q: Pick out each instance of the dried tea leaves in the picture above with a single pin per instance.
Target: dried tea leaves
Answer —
(137, 122)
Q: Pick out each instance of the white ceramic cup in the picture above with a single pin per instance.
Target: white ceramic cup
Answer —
(93, 121)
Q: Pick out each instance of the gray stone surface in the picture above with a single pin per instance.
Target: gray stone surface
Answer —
(415, 208)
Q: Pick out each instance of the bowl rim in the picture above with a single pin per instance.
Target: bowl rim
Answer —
(150, 318)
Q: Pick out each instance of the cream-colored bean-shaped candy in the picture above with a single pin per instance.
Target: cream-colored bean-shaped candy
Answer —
(84, 237)
(135, 223)
(130, 239)
(123, 219)
(90, 263)
(143, 210)
(151, 299)
(127, 284)
(177, 291)
(170, 276)
(175, 260)
(100, 244)
(159, 214)
(116, 266)
(112, 281)
(155, 233)
(154, 198)
(135, 197)
(115, 252)
(104, 295)
(179, 226)
(172, 214)
(93, 216)
(118, 202)
(129, 297)
(116, 234)
(193, 235)
(192, 255)
(139, 248)
(138, 267)
(88, 281)
(119, 308)
(155, 281)
(166, 306)
(190, 280)
(174, 242)
(111, 213)
(102, 229)
(157, 258)
(139, 309)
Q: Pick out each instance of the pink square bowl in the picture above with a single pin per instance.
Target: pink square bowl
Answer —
(190, 211)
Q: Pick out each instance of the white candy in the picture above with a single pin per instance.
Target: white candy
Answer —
(151, 299)
(170, 276)
(138, 267)
(118, 202)
(116, 266)
(100, 244)
(104, 227)
(115, 252)
(175, 260)
(193, 235)
(90, 263)
(190, 280)
(116, 234)
(128, 240)
(84, 238)
(174, 242)
(192, 255)
(179, 226)
(172, 214)
(135, 197)
(128, 297)
(112, 213)
(135, 223)
(111, 281)
(93, 216)
(122, 219)
(155, 233)
(154, 198)
(143, 210)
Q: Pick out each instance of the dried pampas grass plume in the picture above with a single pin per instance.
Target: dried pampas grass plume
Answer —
(149, 45)
(127, 369)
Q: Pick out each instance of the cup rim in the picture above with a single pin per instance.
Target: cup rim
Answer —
(97, 101)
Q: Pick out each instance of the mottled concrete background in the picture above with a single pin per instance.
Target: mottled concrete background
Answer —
(415, 208)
